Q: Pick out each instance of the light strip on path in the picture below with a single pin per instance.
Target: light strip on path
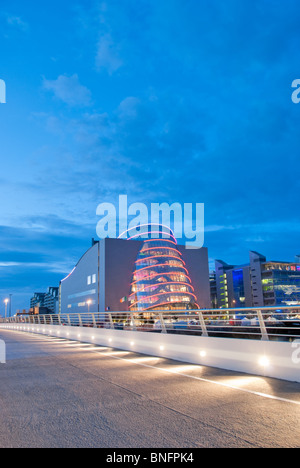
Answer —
(200, 379)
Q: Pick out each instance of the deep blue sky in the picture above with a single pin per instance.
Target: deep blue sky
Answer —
(165, 101)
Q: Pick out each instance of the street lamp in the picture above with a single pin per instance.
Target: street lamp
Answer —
(89, 303)
(6, 301)
(10, 304)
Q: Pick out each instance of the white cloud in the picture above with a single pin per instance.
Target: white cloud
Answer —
(54, 267)
(129, 108)
(8, 264)
(69, 90)
(107, 55)
(16, 21)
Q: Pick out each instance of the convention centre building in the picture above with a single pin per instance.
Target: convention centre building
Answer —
(139, 273)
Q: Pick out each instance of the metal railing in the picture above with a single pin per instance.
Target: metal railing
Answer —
(274, 323)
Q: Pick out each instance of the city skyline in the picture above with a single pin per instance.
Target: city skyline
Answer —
(179, 101)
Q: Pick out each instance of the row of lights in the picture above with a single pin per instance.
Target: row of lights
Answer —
(263, 360)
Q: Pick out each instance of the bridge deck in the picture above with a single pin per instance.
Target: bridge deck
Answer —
(60, 393)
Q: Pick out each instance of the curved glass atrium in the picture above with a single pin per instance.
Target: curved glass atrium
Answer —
(160, 279)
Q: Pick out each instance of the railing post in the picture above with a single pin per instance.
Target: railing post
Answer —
(202, 324)
(133, 321)
(163, 325)
(264, 333)
(80, 320)
(111, 321)
(94, 321)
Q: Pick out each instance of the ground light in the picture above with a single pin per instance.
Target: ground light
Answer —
(264, 361)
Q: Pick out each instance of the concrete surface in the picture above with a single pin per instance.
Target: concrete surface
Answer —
(59, 393)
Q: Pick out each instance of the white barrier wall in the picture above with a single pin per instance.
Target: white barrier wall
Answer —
(280, 360)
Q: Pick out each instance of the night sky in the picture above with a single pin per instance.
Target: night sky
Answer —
(183, 101)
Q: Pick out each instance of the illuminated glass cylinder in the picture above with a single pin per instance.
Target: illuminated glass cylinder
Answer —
(160, 278)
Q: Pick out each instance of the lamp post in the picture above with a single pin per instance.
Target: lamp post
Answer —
(6, 301)
(10, 304)
(89, 303)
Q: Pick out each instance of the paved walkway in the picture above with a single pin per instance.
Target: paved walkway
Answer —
(59, 393)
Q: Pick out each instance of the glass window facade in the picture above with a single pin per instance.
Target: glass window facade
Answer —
(160, 278)
(281, 283)
(238, 288)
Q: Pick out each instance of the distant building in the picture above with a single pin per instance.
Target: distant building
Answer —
(233, 285)
(213, 290)
(106, 275)
(37, 300)
(51, 299)
(260, 283)
(46, 301)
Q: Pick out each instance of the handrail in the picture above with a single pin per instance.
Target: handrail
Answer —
(256, 323)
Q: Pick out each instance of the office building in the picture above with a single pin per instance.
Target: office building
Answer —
(46, 302)
(213, 290)
(37, 300)
(51, 299)
(260, 283)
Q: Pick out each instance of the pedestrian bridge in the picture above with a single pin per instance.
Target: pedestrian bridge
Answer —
(264, 341)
